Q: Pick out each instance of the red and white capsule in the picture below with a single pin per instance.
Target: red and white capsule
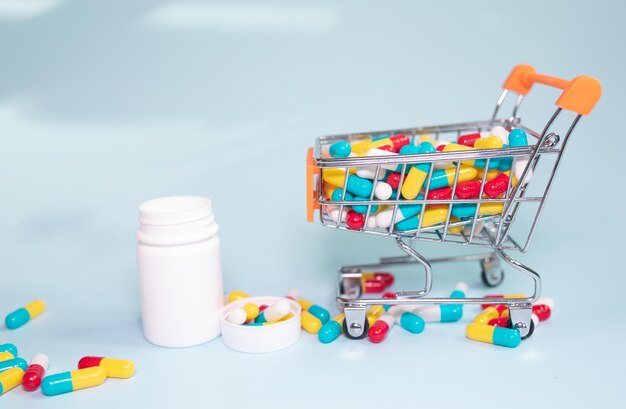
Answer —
(35, 372)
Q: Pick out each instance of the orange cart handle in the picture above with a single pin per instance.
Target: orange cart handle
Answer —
(311, 198)
(579, 95)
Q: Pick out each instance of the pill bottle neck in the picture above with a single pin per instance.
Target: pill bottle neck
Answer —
(175, 221)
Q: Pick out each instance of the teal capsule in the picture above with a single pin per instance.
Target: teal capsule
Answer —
(336, 197)
(463, 210)
(9, 348)
(260, 319)
(517, 138)
(506, 337)
(412, 323)
(505, 163)
(457, 294)
(341, 149)
(12, 363)
(329, 332)
(494, 163)
(451, 312)
(359, 186)
(57, 384)
(320, 313)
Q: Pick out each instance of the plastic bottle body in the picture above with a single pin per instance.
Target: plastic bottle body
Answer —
(180, 276)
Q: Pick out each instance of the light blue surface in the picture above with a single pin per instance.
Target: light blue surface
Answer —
(104, 105)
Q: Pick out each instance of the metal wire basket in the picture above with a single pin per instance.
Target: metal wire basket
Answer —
(487, 222)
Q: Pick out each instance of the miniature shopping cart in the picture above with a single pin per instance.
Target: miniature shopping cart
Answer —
(491, 229)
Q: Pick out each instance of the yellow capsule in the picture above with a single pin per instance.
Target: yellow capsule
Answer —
(413, 183)
(427, 138)
(491, 208)
(455, 147)
(237, 295)
(487, 315)
(88, 377)
(490, 142)
(285, 318)
(376, 310)
(305, 304)
(479, 333)
(491, 174)
(454, 229)
(434, 215)
(252, 310)
(114, 368)
(310, 323)
(5, 356)
(334, 176)
(371, 319)
(465, 173)
(328, 190)
(10, 378)
(35, 308)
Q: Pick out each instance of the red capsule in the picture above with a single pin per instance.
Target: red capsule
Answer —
(393, 180)
(439, 148)
(34, 373)
(262, 307)
(469, 139)
(354, 220)
(499, 322)
(387, 278)
(399, 141)
(378, 331)
(372, 286)
(497, 186)
(468, 190)
(387, 148)
(444, 193)
(89, 361)
(389, 296)
(542, 311)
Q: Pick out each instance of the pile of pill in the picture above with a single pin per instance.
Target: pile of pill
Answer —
(369, 184)
(92, 371)
(14, 371)
(312, 316)
(492, 324)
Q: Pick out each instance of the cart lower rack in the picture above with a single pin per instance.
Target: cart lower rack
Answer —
(412, 185)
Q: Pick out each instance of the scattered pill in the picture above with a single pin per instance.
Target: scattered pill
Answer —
(237, 295)
(310, 323)
(331, 330)
(73, 380)
(13, 363)
(5, 356)
(505, 337)
(378, 332)
(10, 378)
(21, 316)
(35, 372)
(114, 368)
(9, 348)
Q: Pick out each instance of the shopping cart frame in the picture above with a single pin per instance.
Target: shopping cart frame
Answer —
(491, 231)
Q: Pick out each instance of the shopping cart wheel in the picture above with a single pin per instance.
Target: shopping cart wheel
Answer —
(492, 275)
(531, 328)
(366, 327)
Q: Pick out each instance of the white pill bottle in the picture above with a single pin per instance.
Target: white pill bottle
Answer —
(180, 275)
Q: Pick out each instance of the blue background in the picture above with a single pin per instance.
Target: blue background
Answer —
(104, 105)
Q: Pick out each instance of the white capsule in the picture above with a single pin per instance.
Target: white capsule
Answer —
(429, 313)
(442, 164)
(237, 316)
(535, 320)
(501, 133)
(398, 310)
(518, 169)
(371, 222)
(40, 359)
(461, 286)
(380, 152)
(368, 172)
(389, 319)
(334, 215)
(383, 191)
(383, 219)
(276, 311)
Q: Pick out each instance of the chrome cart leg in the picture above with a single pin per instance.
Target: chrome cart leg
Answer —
(355, 325)
(520, 317)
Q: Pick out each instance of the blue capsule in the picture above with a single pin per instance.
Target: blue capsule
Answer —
(517, 138)
(412, 323)
(13, 363)
(329, 332)
(359, 186)
(341, 149)
(320, 313)
(9, 348)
